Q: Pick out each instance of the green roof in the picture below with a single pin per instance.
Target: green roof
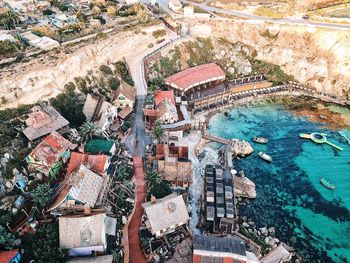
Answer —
(99, 146)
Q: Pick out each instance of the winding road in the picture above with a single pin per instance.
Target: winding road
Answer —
(291, 21)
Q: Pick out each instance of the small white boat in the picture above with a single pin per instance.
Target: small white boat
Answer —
(265, 157)
(261, 140)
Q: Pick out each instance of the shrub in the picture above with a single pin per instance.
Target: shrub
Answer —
(8, 48)
(267, 34)
(48, 12)
(114, 83)
(68, 104)
(159, 33)
(106, 70)
(268, 12)
(150, 45)
(42, 195)
(122, 70)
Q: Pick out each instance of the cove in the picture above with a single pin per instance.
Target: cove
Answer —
(312, 219)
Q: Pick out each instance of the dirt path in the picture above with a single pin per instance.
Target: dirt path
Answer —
(135, 252)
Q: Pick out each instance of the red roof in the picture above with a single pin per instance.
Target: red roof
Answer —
(51, 148)
(203, 73)
(162, 95)
(6, 256)
(96, 163)
(150, 113)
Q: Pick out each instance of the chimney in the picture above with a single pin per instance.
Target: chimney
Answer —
(153, 199)
(87, 210)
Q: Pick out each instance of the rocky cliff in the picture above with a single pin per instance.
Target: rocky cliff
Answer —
(44, 77)
(316, 57)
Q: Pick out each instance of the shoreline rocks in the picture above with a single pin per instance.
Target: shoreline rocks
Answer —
(241, 148)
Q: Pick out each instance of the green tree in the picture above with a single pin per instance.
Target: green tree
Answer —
(113, 83)
(7, 239)
(87, 130)
(69, 105)
(106, 70)
(122, 173)
(43, 246)
(158, 131)
(152, 179)
(42, 194)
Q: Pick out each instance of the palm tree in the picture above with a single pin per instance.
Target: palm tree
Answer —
(87, 130)
(152, 179)
(158, 132)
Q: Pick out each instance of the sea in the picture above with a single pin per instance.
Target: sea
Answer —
(312, 219)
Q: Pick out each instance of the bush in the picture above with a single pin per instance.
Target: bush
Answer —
(43, 246)
(8, 48)
(63, 7)
(114, 83)
(68, 104)
(159, 33)
(150, 45)
(42, 195)
(48, 12)
(122, 70)
(268, 12)
(106, 70)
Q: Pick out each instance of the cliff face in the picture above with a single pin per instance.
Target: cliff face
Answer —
(317, 57)
(45, 76)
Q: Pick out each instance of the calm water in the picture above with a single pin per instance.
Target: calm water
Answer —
(306, 215)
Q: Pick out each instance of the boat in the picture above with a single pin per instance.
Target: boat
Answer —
(341, 133)
(260, 140)
(327, 184)
(265, 156)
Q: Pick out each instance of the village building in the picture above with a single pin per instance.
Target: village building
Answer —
(168, 110)
(196, 80)
(124, 96)
(164, 109)
(218, 249)
(166, 214)
(99, 259)
(43, 120)
(81, 189)
(173, 164)
(96, 163)
(50, 154)
(44, 43)
(10, 256)
(103, 114)
(99, 146)
(175, 5)
(125, 113)
(83, 235)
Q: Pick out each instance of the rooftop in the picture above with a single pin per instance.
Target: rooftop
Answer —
(124, 113)
(228, 244)
(83, 186)
(191, 77)
(180, 171)
(166, 212)
(99, 146)
(43, 120)
(49, 150)
(100, 259)
(85, 231)
(164, 95)
(6, 256)
(96, 163)
(126, 90)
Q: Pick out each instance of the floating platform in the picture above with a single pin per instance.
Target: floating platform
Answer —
(319, 138)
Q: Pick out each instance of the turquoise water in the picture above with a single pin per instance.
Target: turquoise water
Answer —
(306, 215)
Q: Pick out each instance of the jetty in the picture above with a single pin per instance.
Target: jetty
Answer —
(211, 137)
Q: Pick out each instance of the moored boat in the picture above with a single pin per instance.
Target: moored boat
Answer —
(260, 140)
(327, 184)
(265, 156)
